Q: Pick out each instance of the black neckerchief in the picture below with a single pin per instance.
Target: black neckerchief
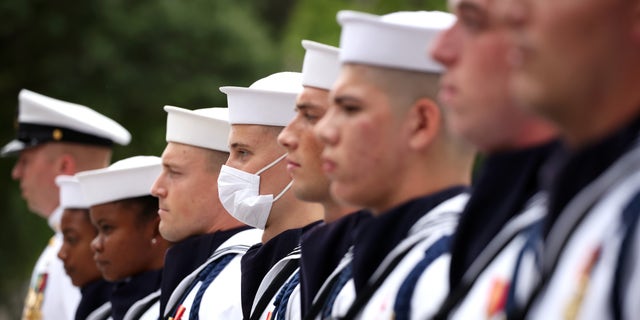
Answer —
(260, 258)
(94, 295)
(129, 291)
(506, 181)
(376, 237)
(188, 255)
(323, 248)
(580, 167)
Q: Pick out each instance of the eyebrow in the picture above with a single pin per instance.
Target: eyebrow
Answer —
(236, 145)
(470, 7)
(169, 164)
(307, 105)
(345, 99)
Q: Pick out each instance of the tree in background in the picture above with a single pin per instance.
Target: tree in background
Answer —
(316, 20)
(127, 59)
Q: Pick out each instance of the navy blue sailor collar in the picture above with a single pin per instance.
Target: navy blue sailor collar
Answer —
(188, 255)
(376, 237)
(504, 184)
(322, 249)
(94, 295)
(129, 291)
(260, 258)
(572, 170)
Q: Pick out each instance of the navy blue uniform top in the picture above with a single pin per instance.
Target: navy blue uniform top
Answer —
(504, 184)
(376, 237)
(129, 291)
(570, 171)
(579, 168)
(260, 258)
(323, 248)
(94, 295)
(186, 256)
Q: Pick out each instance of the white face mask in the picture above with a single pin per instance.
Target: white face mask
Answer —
(239, 194)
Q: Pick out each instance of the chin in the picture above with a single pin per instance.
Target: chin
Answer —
(165, 234)
(303, 192)
(345, 195)
(164, 230)
(79, 282)
(111, 278)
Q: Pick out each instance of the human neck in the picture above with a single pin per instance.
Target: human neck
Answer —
(612, 102)
(222, 222)
(588, 129)
(334, 211)
(290, 213)
(427, 176)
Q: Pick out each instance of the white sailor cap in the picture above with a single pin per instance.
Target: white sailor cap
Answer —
(321, 65)
(70, 193)
(206, 128)
(269, 101)
(125, 179)
(398, 40)
(42, 119)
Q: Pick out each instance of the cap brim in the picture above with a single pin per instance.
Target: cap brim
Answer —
(12, 148)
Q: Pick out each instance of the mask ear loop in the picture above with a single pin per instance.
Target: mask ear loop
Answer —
(283, 191)
(271, 164)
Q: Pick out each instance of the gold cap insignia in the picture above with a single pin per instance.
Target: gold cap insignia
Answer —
(57, 134)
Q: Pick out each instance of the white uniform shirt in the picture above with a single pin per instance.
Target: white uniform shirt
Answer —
(581, 249)
(441, 221)
(438, 222)
(101, 313)
(143, 309)
(488, 294)
(51, 295)
(346, 296)
(294, 305)
(221, 300)
(268, 279)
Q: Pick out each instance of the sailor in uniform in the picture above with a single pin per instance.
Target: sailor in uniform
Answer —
(128, 248)
(202, 268)
(253, 188)
(76, 253)
(387, 149)
(323, 247)
(55, 137)
(507, 200)
(583, 79)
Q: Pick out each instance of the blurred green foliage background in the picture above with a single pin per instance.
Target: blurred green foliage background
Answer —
(127, 59)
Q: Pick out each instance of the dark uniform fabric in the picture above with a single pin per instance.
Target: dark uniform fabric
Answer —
(188, 255)
(322, 249)
(131, 290)
(94, 295)
(375, 238)
(260, 258)
(573, 171)
(506, 181)
(581, 167)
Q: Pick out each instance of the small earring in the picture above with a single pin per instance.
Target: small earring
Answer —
(153, 241)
